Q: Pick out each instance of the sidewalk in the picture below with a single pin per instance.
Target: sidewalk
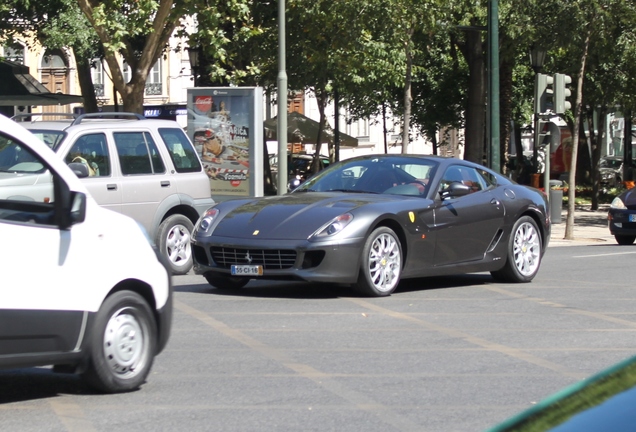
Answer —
(590, 228)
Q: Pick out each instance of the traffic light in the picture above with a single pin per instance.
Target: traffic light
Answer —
(543, 92)
(561, 93)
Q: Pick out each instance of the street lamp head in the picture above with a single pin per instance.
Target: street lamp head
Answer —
(537, 57)
(193, 54)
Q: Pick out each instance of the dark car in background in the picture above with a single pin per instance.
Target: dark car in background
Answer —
(622, 217)
(298, 164)
(610, 169)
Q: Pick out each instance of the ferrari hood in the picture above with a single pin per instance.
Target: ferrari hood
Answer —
(292, 216)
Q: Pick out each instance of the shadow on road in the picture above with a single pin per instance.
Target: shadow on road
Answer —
(38, 383)
(317, 291)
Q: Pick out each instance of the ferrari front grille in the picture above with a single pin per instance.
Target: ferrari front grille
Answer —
(270, 259)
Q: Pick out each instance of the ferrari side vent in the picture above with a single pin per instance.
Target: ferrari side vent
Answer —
(270, 259)
(494, 241)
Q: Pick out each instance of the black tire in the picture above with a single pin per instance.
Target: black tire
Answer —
(226, 282)
(173, 239)
(122, 344)
(524, 253)
(381, 264)
(625, 240)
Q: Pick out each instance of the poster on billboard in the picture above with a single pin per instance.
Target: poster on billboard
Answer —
(226, 126)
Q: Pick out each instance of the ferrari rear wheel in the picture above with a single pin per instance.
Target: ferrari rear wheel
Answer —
(524, 252)
(624, 239)
(226, 282)
(381, 265)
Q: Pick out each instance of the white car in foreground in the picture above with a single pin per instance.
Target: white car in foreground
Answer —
(82, 287)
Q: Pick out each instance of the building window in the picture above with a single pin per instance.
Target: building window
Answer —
(153, 81)
(14, 53)
(97, 74)
(127, 72)
(53, 59)
(358, 128)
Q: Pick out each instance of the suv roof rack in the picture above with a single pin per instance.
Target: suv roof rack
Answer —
(24, 117)
(113, 115)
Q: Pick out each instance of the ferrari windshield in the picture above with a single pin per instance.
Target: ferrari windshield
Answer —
(382, 175)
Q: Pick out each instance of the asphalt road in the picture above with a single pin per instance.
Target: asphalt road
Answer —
(443, 354)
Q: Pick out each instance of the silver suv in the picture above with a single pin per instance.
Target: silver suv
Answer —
(143, 168)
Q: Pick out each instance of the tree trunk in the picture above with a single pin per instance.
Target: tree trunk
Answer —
(133, 98)
(321, 98)
(475, 130)
(86, 83)
(505, 103)
(569, 225)
(408, 98)
(596, 155)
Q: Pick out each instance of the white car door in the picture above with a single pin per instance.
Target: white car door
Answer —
(44, 290)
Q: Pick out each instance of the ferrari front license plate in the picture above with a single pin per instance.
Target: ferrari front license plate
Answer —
(247, 270)
(632, 217)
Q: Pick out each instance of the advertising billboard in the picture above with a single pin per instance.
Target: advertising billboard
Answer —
(226, 126)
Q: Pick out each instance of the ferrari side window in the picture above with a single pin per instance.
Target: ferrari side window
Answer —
(463, 175)
(488, 179)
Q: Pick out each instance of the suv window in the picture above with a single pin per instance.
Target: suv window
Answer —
(92, 151)
(138, 153)
(23, 201)
(182, 153)
(51, 138)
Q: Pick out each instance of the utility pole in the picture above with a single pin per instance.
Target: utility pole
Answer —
(493, 86)
(283, 171)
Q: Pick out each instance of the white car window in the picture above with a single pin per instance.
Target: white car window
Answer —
(26, 191)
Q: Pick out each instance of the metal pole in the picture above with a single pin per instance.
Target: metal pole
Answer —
(493, 97)
(282, 103)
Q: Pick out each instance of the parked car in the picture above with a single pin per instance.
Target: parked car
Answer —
(610, 171)
(82, 288)
(622, 217)
(298, 165)
(603, 402)
(372, 220)
(146, 169)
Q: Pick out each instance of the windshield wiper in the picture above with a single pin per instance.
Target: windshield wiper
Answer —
(352, 191)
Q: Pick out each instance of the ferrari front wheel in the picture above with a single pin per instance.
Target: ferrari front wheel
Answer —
(226, 282)
(524, 252)
(381, 264)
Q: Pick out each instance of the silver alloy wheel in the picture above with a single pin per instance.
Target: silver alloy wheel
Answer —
(527, 249)
(178, 245)
(125, 344)
(384, 262)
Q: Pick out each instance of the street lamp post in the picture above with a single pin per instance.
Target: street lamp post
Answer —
(537, 59)
(493, 86)
(193, 55)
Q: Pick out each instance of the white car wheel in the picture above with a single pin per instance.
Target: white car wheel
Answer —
(122, 344)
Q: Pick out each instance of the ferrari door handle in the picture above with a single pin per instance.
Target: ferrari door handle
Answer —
(111, 186)
(165, 183)
(495, 202)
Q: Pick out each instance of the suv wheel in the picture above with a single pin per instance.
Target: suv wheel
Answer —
(173, 239)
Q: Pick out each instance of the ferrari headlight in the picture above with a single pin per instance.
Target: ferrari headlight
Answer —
(206, 221)
(334, 226)
(618, 203)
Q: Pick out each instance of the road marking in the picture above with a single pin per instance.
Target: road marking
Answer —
(325, 380)
(573, 310)
(71, 415)
(604, 255)
(492, 346)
